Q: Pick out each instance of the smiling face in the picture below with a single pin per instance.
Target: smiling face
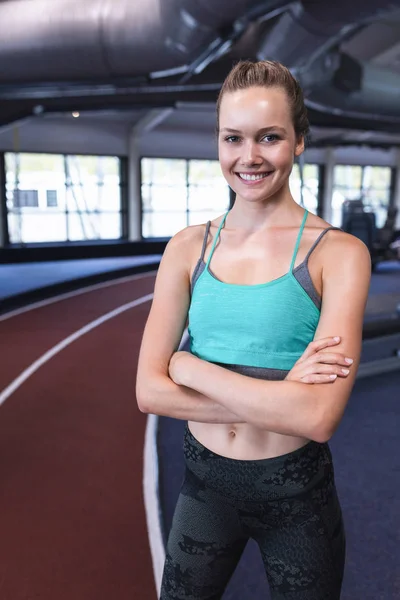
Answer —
(257, 142)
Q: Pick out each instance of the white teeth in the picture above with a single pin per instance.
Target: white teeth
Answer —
(247, 177)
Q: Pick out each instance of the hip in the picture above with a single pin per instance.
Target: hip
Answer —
(307, 469)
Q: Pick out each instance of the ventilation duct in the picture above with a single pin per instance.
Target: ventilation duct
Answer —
(343, 86)
(334, 82)
(313, 27)
(91, 40)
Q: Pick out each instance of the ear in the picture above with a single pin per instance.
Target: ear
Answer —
(300, 144)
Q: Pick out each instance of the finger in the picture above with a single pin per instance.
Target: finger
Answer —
(328, 370)
(318, 345)
(315, 378)
(330, 358)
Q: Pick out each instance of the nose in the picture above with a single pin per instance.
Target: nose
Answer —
(250, 155)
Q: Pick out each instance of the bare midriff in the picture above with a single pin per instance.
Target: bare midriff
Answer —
(242, 441)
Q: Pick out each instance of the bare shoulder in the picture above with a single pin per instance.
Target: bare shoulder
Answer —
(346, 248)
(188, 238)
(186, 245)
(346, 265)
(339, 245)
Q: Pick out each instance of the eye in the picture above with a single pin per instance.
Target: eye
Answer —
(270, 137)
(231, 139)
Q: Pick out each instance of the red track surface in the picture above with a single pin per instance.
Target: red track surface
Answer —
(72, 521)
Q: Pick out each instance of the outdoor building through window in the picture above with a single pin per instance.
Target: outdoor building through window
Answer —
(59, 198)
(371, 184)
(179, 192)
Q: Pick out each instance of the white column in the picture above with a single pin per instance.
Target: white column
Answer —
(151, 120)
(397, 187)
(328, 184)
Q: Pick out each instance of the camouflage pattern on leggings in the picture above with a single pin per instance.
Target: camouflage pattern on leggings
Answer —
(287, 504)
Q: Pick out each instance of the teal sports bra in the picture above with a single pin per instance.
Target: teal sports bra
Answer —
(267, 325)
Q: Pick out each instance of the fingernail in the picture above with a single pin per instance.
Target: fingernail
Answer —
(345, 371)
(336, 339)
(332, 376)
(349, 360)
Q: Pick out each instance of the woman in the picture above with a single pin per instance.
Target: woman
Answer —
(261, 398)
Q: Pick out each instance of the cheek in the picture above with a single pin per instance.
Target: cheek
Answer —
(283, 157)
(225, 158)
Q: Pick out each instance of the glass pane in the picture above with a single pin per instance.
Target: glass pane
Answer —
(156, 197)
(378, 202)
(94, 226)
(347, 176)
(310, 186)
(347, 186)
(337, 201)
(35, 173)
(214, 197)
(377, 177)
(163, 224)
(205, 172)
(26, 227)
(110, 226)
(93, 183)
(164, 171)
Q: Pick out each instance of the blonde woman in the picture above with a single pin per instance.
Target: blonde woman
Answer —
(275, 298)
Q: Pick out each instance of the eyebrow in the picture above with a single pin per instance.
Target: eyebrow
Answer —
(262, 130)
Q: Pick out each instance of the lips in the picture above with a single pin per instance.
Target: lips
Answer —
(253, 178)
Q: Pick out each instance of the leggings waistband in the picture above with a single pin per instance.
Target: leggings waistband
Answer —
(283, 476)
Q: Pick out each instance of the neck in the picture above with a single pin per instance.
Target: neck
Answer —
(263, 215)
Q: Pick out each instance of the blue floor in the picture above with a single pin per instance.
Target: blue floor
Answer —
(366, 456)
(21, 278)
(386, 278)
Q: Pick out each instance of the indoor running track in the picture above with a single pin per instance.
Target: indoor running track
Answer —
(72, 519)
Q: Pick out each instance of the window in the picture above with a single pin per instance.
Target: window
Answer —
(179, 192)
(25, 198)
(58, 198)
(51, 196)
(370, 184)
(305, 192)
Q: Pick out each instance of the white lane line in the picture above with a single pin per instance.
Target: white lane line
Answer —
(83, 290)
(151, 492)
(151, 496)
(14, 385)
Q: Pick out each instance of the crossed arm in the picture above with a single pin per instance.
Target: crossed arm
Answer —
(208, 393)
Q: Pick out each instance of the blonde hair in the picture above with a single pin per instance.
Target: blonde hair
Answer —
(269, 74)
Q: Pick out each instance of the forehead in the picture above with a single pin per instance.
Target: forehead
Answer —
(254, 105)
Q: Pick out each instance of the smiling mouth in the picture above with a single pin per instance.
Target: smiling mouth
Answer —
(253, 177)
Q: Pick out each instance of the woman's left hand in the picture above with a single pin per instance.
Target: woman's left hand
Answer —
(179, 365)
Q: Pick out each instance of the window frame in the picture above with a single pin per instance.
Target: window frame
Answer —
(123, 204)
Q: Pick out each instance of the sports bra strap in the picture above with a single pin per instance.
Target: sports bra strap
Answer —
(296, 248)
(319, 238)
(216, 238)
(203, 250)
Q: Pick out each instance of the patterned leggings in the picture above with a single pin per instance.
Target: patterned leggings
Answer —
(287, 504)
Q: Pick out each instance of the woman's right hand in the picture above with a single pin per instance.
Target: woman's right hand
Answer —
(317, 365)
